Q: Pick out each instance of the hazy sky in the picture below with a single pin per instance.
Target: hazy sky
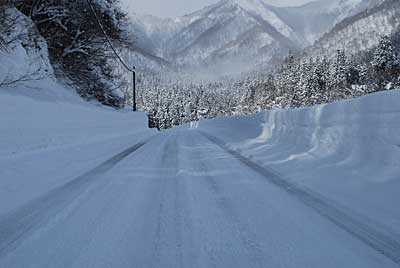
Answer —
(174, 8)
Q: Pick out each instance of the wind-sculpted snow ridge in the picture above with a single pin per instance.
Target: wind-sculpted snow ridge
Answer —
(347, 151)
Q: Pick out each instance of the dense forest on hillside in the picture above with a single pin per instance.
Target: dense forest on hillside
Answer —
(300, 82)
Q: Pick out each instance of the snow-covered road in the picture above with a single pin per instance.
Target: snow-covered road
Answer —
(183, 200)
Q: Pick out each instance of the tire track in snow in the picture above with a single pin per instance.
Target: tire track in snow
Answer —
(168, 245)
(382, 242)
(17, 225)
(248, 239)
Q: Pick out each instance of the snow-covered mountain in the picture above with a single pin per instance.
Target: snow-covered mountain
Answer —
(362, 31)
(229, 31)
(240, 34)
(314, 19)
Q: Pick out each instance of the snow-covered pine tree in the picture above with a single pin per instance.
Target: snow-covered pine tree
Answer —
(316, 83)
(266, 93)
(363, 75)
(287, 81)
(302, 90)
(339, 88)
(385, 63)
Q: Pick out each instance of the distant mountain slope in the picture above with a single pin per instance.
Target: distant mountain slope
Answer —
(245, 31)
(234, 34)
(232, 31)
(362, 31)
(315, 18)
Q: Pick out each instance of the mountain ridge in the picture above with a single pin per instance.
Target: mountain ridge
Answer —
(248, 32)
(360, 32)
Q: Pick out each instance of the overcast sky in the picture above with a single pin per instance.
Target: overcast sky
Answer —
(174, 8)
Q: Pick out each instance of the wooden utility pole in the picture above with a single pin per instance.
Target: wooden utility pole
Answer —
(134, 89)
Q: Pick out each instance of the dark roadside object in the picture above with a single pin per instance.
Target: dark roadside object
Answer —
(152, 121)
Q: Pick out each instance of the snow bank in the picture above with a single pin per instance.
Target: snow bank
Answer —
(29, 123)
(348, 151)
(49, 136)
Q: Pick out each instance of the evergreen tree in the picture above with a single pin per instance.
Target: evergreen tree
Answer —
(339, 77)
(385, 63)
(316, 83)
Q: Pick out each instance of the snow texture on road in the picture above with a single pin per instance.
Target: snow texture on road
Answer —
(380, 240)
(183, 201)
(18, 224)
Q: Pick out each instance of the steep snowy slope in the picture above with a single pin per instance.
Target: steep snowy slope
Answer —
(234, 30)
(347, 151)
(316, 18)
(361, 31)
(152, 32)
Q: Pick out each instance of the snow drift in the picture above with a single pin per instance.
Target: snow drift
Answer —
(348, 151)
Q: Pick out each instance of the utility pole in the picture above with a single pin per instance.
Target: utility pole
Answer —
(134, 89)
(133, 70)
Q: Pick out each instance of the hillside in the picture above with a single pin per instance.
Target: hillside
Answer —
(316, 18)
(361, 32)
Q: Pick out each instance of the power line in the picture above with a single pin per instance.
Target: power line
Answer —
(108, 38)
(132, 70)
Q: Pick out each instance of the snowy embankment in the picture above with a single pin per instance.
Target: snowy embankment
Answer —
(46, 141)
(348, 151)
